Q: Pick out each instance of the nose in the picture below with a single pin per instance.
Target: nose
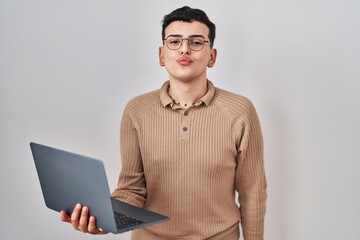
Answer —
(185, 47)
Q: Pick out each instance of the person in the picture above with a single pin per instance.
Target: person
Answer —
(188, 147)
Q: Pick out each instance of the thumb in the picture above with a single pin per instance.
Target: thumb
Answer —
(64, 217)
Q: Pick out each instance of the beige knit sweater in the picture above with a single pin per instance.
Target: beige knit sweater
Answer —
(187, 164)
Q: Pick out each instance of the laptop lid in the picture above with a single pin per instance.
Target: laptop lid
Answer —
(67, 178)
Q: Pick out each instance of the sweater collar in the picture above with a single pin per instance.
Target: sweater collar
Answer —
(206, 99)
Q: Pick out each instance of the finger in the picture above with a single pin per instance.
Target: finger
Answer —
(64, 217)
(92, 226)
(83, 222)
(75, 216)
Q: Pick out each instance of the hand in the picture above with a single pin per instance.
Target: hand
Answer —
(81, 221)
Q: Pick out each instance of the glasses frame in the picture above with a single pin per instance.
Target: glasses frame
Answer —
(188, 39)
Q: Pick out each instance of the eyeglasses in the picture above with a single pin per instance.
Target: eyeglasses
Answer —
(196, 43)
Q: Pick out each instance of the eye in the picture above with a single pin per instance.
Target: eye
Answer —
(197, 42)
(174, 41)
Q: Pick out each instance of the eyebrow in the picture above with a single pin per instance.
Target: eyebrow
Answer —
(179, 35)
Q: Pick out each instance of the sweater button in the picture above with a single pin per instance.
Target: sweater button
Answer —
(185, 129)
(186, 113)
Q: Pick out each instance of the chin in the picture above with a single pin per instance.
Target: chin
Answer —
(184, 79)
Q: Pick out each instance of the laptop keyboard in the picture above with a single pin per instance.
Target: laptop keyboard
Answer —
(123, 221)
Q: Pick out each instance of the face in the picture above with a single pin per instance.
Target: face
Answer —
(185, 64)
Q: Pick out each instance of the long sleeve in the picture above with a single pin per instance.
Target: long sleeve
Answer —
(250, 178)
(131, 186)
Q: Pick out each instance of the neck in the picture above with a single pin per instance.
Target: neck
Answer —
(187, 93)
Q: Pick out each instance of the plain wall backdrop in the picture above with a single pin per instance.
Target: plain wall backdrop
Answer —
(67, 69)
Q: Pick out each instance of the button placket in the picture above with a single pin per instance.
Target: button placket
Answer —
(185, 125)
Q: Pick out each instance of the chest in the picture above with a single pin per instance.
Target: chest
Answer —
(193, 139)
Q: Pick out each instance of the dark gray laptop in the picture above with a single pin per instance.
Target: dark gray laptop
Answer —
(67, 178)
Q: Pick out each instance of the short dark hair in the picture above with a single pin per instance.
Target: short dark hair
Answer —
(187, 14)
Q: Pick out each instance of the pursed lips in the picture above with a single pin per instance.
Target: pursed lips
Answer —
(184, 61)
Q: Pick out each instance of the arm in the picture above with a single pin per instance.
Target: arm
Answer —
(131, 185)
(250, 178)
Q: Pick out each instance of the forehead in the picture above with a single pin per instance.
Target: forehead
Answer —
(187, 28)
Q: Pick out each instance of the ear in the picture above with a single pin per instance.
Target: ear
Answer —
(161, 57)
(212, 60)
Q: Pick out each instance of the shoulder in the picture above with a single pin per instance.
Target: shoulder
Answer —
(233, 103)
(240, 110)
(145, 98)
(143, 103)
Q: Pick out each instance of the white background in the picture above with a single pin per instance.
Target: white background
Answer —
(67, 69)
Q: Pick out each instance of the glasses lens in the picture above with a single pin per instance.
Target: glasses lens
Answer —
(173, 43)
(196, 43)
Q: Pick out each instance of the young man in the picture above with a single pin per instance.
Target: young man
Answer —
(189, 146)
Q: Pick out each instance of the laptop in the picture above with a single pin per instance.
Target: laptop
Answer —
(67, 178)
